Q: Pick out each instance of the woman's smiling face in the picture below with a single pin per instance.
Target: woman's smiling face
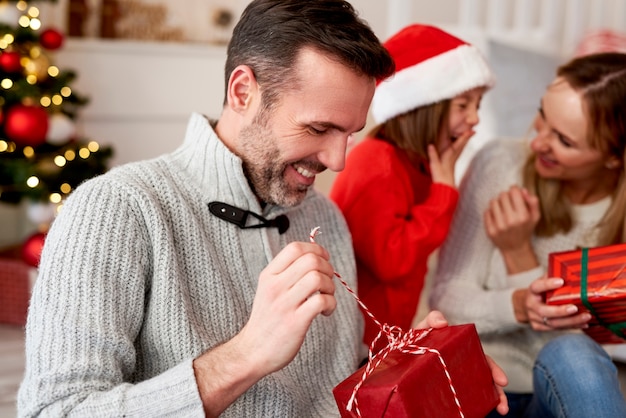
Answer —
(561, 143)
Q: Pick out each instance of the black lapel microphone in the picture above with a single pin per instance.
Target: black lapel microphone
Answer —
(239, 217)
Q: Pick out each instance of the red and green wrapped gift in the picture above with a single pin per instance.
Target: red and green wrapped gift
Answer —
(595, 281)
(439, 373)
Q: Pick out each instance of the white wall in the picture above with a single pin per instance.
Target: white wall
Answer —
(141, 94)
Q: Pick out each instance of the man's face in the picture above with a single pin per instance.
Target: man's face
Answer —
(307, 131)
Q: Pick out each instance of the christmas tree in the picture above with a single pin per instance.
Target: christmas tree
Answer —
(41, 156)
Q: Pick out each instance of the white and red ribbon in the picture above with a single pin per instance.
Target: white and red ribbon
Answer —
(397, 340)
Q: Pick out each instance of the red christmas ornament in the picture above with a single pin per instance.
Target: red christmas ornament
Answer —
(31, 248)
(26, 125)
(10, 61)
(51, 39)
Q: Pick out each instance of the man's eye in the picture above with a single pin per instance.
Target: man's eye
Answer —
(315, 131)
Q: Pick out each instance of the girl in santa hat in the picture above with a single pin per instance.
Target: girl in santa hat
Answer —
(397, 191)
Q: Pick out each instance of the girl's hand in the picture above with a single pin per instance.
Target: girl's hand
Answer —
(442, 167)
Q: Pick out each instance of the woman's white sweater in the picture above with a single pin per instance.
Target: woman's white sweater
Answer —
(471, 284)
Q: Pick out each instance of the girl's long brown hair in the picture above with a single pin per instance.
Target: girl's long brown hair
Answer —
(414, 130)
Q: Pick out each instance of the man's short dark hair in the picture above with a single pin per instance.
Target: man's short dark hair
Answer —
(270, 33)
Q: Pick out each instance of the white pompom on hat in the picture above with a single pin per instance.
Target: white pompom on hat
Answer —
(431, 65)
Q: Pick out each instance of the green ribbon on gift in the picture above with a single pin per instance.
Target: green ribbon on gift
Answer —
(614, 328)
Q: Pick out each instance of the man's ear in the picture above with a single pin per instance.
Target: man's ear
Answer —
(242, 88)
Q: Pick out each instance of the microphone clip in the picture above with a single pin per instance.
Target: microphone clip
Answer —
(239, 217)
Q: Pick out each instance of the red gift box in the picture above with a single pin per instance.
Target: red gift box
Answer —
(16, 278)
(595, 281)
(425, 379)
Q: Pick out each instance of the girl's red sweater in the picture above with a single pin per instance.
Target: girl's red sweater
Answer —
(397, 217)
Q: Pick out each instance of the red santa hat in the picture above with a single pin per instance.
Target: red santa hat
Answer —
(431, 65)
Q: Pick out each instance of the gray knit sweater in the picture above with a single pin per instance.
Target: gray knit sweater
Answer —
(471, 283)
(137, 278)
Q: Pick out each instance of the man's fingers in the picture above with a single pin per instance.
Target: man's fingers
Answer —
(500, 380)
(292, 252)
(434, 319)
(313, 282)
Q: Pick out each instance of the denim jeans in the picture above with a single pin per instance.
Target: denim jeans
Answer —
(573, 377)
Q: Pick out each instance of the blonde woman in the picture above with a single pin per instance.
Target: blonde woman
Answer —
(521, 201)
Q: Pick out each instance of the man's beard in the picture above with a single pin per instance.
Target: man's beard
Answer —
(264, 169)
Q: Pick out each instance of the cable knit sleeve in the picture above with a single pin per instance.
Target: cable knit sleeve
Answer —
(87, 309)
(471, 284)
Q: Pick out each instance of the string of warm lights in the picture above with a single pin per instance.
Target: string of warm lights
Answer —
(36, 64)
(41, 158)
(61, 158)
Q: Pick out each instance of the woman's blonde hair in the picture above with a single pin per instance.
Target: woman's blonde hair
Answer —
(414, 130)
(601, 81)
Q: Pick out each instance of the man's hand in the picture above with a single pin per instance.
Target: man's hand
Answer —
(500, 380)
(434, 319)
(294, 288)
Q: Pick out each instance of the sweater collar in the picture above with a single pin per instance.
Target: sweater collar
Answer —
(591, 211)
(216, 171)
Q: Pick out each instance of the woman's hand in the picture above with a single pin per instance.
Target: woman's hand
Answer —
(511, 218)
(543, 317)
(510, 221)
